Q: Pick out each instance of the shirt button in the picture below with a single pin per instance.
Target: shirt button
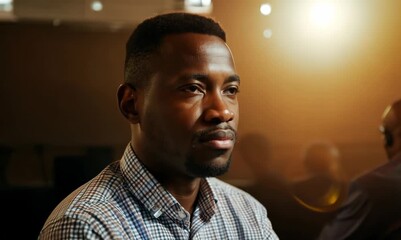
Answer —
(157, 211)
(155, 208)
(182, 215)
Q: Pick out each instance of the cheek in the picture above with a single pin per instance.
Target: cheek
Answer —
(186, 118)
(175, 120)
(235, 109)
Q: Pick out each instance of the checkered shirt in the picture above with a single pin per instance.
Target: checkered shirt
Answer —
(125, 201)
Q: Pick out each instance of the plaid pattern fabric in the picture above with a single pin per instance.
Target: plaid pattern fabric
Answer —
(125, 201)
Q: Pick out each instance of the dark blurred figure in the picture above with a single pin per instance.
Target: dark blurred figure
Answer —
(324, 186)
(285, 201)
(373, 207)
(255, 149)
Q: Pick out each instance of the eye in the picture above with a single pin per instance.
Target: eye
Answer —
(193, 88)
(232, 90)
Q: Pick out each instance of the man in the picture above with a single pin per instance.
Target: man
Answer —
(180, 98)
(372, 209)
(323, 186)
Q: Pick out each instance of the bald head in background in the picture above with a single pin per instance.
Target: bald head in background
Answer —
(391, 129)
(323, 158)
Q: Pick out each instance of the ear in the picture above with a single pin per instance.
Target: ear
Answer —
(127, 101)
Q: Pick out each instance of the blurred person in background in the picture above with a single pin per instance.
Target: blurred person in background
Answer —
(320, 190)
(298, 209)
(324, 185)
(372, 209)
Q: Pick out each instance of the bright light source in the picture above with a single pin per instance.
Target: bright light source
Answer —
(97, 6)
(6, 5)
(198, 6)
(265, 9)
(320, 32)
(326, 20)
(206, 2)
(193, 2)
(267, 33)
(199, 3)
(323, 14)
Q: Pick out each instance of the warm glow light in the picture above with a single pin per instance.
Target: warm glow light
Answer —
(206, 2)
(198, 6)
(6, 5)
(267, 33)
(325, 20)
(97, 6)
(265, 9)
(323, 14)
(320, 33)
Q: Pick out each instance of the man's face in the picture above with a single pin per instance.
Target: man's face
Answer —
(189, 112)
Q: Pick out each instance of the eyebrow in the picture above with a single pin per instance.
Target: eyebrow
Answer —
(203, 77)
(234, 78)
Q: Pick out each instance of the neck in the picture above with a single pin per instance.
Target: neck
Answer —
(186, 192)
(183, 187)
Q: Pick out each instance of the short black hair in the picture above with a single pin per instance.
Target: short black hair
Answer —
(148, 35)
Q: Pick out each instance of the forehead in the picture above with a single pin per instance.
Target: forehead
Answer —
(190, 48)
(391, 118)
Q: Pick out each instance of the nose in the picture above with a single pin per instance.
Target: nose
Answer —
(218, 111)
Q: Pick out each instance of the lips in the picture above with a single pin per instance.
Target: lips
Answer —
(219, 139)
(218, 135)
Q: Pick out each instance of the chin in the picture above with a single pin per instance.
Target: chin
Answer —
(213, 168)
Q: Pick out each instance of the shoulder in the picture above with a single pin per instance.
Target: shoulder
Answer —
(381, 178)
(90, 205)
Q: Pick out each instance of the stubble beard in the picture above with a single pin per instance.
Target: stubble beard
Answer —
(206, 169)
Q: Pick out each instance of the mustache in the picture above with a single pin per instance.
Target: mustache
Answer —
(217, 132)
